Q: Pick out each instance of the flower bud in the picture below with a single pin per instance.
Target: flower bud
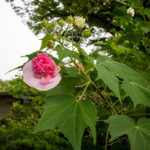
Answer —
(51, 26)
(61, 22)
(44, 23)
(131, 11)
(119, 35)
(86, 33)
(101, 53)
(50, 44)
(69, 19)
(114, 21)
(126, 42)
(79, 22)
(80, 66)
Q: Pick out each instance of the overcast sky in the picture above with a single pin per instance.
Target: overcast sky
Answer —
(15, 40)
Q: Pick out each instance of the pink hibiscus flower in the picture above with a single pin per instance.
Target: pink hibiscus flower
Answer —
(41, 72)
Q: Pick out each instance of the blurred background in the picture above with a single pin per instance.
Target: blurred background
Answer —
(16, 40)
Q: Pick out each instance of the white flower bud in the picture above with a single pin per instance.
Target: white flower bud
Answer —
(79, 22)
(131, 11)
(101, 53)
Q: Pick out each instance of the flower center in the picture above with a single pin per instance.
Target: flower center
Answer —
(43, 67)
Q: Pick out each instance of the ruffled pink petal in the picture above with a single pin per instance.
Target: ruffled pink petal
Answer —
(52, 83)
(45, 80)
(28, 77)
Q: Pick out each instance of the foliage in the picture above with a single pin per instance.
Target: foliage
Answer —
(112, 86)
(131, 34)
(4, 85)
(103, 88)
(138, 133)
(92, 10)
(17, 129)
(69, 115)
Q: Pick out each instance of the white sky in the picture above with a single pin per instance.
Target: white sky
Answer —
(15, 40)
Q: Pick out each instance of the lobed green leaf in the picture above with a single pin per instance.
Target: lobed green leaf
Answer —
(138, 134)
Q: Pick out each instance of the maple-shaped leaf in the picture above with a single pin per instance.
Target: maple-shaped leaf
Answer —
(138, 133)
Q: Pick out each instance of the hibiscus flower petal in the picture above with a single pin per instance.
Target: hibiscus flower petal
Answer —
(29, 78)
(28, 75)
(53, 83)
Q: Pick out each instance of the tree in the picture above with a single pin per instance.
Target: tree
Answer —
(97, 12)
(106, 15)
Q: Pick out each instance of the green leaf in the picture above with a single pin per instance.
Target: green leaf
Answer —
(65, 87)
(147, 12)
(138, 134)
(138, 93)
(123, 49)
(17, 68)
(70, 116)
(145, 27)
(109, 78)
(135, 3)
(72, 72)
(145, 41)
(117, 68)
(120, 11)
(133, 82)
(121, 1)
(45, 40)
(30, 56)
(120, 14)
(63, 52)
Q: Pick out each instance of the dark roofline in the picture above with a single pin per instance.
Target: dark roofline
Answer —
(4, 93)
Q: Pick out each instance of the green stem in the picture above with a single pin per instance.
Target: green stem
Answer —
(80, 40)
(125, 58)
(119, 140)
(88, 83)
(119, 100)
(72, 39)
(142, 11)
(99, 92)
(106, 145)
(78, 86)
(66, 31)
(105, 101)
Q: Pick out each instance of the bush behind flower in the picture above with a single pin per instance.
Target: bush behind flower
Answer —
(109, 87)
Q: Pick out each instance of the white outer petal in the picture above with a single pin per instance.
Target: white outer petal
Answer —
(28, 77)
